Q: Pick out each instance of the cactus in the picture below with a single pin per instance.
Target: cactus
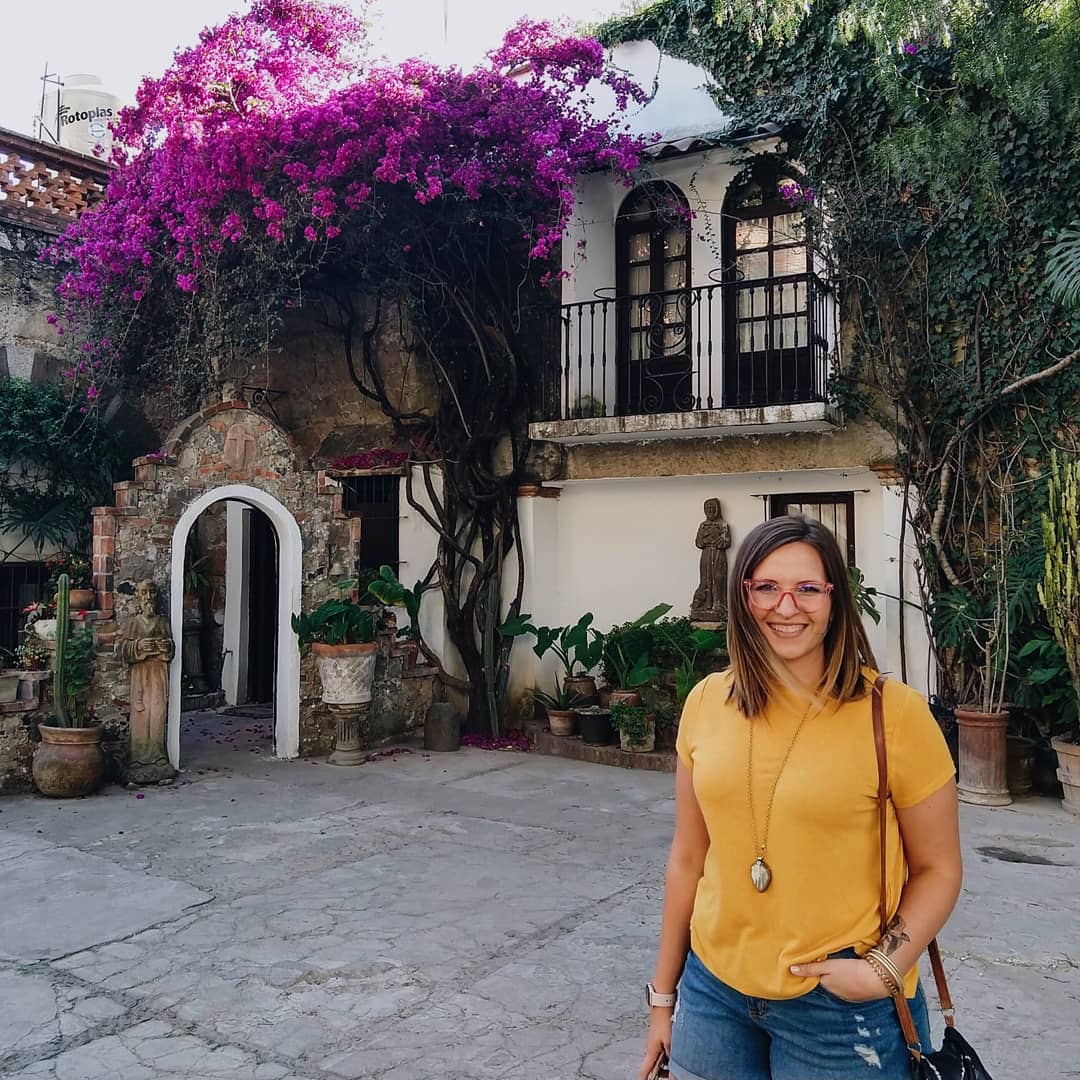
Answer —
(1060, 588)
(59, 668)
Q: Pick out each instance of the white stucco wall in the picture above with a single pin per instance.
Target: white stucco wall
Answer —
(618, 547)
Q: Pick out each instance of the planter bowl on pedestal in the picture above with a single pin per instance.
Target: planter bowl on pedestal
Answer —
(346, 672)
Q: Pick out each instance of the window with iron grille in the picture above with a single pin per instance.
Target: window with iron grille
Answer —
(835, 510)
(374, 499)
(21, 583)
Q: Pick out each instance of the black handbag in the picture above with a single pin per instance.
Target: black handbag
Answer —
(955, 1060)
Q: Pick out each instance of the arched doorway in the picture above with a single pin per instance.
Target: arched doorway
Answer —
(286, 675)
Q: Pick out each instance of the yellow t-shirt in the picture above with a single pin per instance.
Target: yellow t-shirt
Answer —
(823, 845)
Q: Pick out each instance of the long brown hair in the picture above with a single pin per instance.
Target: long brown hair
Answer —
(755, 669)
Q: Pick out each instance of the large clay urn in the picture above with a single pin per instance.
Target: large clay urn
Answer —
(69, 761)
(984, 758)
(346, 671)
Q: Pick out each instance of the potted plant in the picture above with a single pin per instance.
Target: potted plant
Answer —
(577, 648)
(341, 634)
(32, 655)
(974, 626)
(80, 578)
(69, 760)
(41, 620)
(636, 727)
(1060, 596)
(387, 589)
(686, 645)
(594, 725)
(626, 656)
(559, 707)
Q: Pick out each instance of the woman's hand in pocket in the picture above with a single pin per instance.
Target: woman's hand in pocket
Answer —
(851, 980)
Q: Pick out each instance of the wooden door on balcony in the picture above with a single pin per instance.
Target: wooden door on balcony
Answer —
(768, 311)
(653, 301)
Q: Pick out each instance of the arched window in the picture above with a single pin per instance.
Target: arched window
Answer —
(652, 280)
(773, 345)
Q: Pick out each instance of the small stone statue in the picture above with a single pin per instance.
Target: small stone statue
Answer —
(709, 605)
(148, 648)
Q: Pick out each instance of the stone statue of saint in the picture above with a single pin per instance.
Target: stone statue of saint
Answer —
(713, 538)
(148, 648)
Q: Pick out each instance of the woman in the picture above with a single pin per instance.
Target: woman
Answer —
(771, 905)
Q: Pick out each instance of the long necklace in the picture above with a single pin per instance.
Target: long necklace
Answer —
(760, 871)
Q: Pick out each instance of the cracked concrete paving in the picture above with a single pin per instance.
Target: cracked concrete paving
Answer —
(474, 915)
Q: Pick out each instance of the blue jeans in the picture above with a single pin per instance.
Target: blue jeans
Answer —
(720, 1034)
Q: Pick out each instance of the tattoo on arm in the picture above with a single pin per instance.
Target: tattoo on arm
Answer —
(894, 936)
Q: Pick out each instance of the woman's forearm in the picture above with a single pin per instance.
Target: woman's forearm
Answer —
(925, 905)
(680, 888)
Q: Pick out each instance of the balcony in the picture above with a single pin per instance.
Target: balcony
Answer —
(727, 358)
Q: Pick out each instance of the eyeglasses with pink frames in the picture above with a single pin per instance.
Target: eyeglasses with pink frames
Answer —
(806, 595)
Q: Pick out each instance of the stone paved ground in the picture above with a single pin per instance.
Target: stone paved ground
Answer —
(475, 915)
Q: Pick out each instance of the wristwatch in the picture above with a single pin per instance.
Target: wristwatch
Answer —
(656, 999)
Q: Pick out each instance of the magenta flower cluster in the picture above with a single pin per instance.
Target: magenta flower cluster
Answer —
(796, 194)
(273, 128)
(378, 458)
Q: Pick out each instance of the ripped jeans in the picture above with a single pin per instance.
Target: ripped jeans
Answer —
(720, 1034)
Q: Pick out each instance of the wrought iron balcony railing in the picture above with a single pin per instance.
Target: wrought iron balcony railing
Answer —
(725, 345)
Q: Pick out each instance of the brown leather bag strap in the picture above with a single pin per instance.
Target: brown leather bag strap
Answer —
(903, 1010)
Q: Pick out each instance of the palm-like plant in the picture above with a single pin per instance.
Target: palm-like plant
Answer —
(1063, 266)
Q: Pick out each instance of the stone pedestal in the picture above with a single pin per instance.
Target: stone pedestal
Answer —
(351, 721)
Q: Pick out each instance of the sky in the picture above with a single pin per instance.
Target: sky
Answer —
(123, 40)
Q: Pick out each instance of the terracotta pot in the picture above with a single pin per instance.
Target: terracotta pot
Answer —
(1068, 772)
(69, 761)
(561, 721)
(647, 744)
(81, 599)
(627, 697)
(983, 758)
(583, 689)
(346, 671)
(1021, 765)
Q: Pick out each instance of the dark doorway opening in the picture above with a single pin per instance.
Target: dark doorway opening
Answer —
(262, 615)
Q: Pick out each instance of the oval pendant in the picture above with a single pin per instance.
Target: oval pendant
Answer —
(760, 874)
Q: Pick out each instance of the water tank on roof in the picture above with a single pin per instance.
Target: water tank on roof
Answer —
(87, 108)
